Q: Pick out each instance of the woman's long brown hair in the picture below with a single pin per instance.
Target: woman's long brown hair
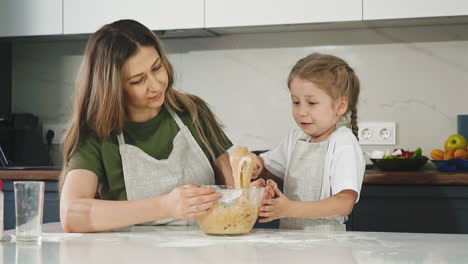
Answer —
(99, 98)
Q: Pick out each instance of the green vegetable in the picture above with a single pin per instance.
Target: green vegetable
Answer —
(417, 153)
(392, 157)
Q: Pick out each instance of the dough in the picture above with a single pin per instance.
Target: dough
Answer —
(230, 220)
(242, 163)
(240, 216)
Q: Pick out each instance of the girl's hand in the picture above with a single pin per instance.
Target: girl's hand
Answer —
(269, 192)
(274, 208)
(190, 201)
(258, 183)
(258, 168)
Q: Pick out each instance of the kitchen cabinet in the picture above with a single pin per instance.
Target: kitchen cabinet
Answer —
(384, 9)
(57, 17)
(411, 208)
(230, 13)
(87, 16)
(51, 203)
(30, 17)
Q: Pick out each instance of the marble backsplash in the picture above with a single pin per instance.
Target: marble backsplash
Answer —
(415, 76)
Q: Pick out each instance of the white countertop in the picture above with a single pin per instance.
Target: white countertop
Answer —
(170, 244)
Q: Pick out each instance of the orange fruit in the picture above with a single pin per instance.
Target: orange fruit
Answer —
(437, 154)
(448, 155)
(460, 154)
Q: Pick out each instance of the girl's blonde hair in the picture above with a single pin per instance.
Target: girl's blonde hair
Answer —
(334, 76)
(99, 98)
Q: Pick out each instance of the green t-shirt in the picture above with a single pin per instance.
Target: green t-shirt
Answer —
(154, 137)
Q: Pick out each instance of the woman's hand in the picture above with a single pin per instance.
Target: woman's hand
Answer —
(190, 201)
(274, 208)
(258, 168)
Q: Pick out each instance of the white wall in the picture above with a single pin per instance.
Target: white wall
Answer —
(416, 76)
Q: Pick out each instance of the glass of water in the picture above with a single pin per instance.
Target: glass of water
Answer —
(29, 204)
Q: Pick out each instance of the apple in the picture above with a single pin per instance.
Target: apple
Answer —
(455, 142)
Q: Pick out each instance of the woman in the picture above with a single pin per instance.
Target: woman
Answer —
(140, 146)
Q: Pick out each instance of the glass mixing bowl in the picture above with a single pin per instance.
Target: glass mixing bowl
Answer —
(235, 213)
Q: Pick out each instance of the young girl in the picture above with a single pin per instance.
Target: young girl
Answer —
(321, 163)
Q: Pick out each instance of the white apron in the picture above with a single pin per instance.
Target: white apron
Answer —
(303, 182)
(147, 177)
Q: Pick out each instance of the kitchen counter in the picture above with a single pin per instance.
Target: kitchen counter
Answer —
(429, 177)
(149, 244)
(372, 176)
(30, 175)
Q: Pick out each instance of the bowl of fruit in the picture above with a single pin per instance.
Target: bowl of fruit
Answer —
(454, 157)
(401, 160)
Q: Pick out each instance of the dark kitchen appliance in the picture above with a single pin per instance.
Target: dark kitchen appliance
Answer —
(21, 141)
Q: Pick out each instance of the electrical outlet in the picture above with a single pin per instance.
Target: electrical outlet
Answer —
(59, 130)
(377, 133)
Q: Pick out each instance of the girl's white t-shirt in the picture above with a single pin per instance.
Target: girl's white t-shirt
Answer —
(347, 164)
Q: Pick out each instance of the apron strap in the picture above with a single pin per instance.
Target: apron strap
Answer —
(121, 139)
(176, 118)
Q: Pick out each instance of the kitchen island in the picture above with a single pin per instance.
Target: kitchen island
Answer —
(176, 244)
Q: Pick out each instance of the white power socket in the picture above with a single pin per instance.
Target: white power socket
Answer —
(377, 133)
(59, 130)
